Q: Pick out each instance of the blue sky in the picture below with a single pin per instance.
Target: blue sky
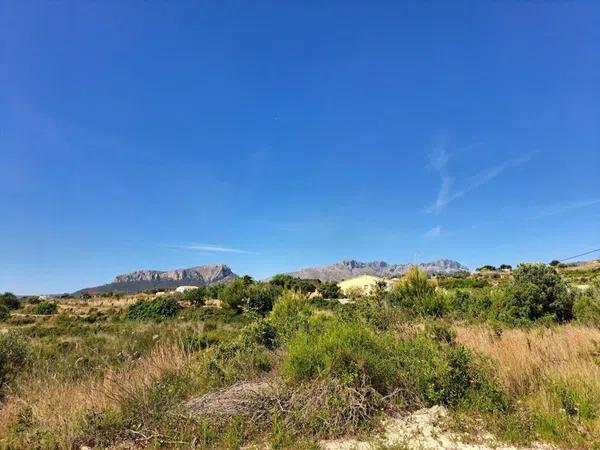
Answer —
(277, 135)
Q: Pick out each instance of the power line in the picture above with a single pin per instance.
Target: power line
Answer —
(581, 254)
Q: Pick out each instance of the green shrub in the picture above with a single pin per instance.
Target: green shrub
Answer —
(232, 361)
(434, 372)
(235, 294)
(261, 297)
(470, 304)
(329, 289)
(546, 293)
(45, 308)
(14, 356)
(586, 308)
(344, 350)
(260, 332)
(4, 313)
(414, 284)
(10, 300)
(375, 310)
(196, 297)
(295, 284)
(290, 313)
(158, 308)
(417, 294)
(440, 331)
(208, 338)
(428, 368)
(323, 303)
(33, 300)
(244, 293)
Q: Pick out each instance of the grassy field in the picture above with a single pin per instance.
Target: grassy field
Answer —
(519, 359)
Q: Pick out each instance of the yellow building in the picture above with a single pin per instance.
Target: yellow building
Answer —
(363, 284)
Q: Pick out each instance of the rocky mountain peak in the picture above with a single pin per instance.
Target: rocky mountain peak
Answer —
(350, 268)
(140, 280)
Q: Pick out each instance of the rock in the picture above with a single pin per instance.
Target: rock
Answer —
(423, 430)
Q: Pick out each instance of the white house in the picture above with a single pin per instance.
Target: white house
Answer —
(185, 288)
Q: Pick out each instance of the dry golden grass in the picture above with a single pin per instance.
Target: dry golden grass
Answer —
(62, 408)
(553, 373)
(525, 359)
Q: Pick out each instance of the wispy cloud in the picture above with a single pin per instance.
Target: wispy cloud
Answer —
(434, 232)
(555, 210)
(439, 162)
(209, 248)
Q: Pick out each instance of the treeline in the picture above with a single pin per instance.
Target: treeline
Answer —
(259, 296)
(535, 293)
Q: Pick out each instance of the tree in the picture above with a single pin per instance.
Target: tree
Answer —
(283, 280)
(505, 267)
(4, 313)
(486, 268)
(329, 289)
(45, 308)
(196, 297)
(415, 284)
(155, 309)
(262, 296)
(235, 293)
(416, 293)
(10, 300)
(555, 263)
(295, 284)
(538, 291)
(247, 280)
(15, 353)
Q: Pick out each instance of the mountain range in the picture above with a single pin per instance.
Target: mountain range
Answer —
(141, 280)
(345, 269)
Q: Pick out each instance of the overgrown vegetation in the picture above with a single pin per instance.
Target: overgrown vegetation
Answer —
(158, 308)
(9, 300)
(45, 308)
(14, 355)
(279, 363)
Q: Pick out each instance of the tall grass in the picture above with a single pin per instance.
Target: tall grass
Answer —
(553, 372)
(526, 358)
(60, 410)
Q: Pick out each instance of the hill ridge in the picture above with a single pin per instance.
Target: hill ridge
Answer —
(140, 280)
(349, 268)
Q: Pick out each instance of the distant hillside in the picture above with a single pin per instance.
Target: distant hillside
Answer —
(343, 270)
(141, 280)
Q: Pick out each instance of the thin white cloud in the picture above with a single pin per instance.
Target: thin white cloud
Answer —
(567, 207)
(209, 248)
(439, 162)
(434, 232)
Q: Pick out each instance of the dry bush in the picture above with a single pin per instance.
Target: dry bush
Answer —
(330, 408)
(527, 359)
(248, 399)
(321, 408)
